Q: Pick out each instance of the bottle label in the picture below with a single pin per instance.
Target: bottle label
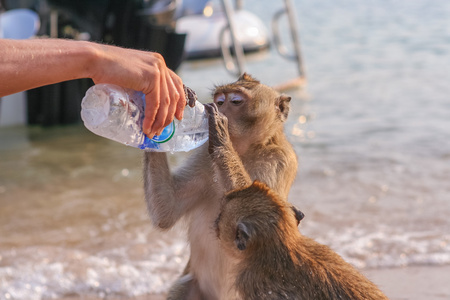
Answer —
(166, 134)
(154, 142)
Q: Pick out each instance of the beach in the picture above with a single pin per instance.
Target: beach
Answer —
(412, 283)
(370, 129)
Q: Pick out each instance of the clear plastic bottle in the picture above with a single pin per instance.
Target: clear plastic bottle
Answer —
(117, 113)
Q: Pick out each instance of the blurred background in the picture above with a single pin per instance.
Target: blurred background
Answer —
(369, 121)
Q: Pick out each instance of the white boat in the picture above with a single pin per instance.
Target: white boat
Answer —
(206, 34)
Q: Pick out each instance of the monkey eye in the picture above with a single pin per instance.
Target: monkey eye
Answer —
(236, 99)
(220, 99)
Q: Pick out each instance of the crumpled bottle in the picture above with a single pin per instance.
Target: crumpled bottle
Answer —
(117, 113)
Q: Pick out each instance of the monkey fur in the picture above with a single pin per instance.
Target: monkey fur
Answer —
(246, 142)
(273, 260)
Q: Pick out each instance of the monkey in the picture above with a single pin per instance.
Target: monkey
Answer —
(246, 142)
(272, 260)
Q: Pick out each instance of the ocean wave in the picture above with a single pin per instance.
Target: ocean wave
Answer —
(35, 273)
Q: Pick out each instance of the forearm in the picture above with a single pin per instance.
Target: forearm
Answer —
(26, 64)
(229, 166)
(159, 190)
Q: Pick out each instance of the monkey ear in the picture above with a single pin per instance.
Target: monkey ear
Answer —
(244, 76)
(247, 77)
(283, 106)
(298, 214)
(242, 236)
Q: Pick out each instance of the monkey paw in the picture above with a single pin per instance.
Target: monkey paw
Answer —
(218, 128)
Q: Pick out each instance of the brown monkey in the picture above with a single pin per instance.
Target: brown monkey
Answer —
(246, 142)
(258, 231)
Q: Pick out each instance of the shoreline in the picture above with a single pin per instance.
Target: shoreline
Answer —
(406, 283)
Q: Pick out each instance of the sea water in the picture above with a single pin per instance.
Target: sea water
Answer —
(372, 132)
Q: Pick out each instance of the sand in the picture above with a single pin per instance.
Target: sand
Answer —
(409, 283)
(413, 283)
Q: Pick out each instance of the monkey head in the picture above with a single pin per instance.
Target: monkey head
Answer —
(253, 217)
(253, 109)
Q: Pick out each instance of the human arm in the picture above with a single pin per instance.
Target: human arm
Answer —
(27, 64)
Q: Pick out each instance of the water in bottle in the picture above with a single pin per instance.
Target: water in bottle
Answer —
(117, 113)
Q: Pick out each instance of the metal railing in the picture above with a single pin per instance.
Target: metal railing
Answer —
(236, 64)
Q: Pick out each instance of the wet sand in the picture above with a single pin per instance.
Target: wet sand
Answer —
(413, 283)
(409, 283)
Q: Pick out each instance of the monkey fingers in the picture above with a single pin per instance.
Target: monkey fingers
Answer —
(191, 96)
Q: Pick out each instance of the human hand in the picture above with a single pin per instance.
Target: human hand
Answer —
(145, 72)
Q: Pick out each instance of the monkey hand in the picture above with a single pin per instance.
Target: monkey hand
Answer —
(191, 96)
(218, 128)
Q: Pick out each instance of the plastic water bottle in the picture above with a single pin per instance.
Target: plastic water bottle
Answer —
(117, 113)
